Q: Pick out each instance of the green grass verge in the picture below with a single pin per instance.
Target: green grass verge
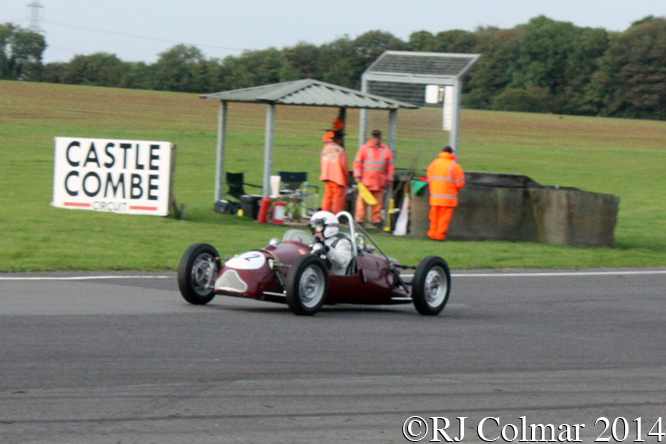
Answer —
(622, 157)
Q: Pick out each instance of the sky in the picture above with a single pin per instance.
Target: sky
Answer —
(140, 30)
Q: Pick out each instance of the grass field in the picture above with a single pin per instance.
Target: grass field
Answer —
(622, 157)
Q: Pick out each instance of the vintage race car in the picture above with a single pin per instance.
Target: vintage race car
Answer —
(295, 271)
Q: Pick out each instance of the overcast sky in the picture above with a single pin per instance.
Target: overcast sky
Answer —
(139, 30)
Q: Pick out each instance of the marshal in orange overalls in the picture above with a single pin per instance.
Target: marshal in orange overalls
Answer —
(374, 167)
(335, 174)
(446, 178)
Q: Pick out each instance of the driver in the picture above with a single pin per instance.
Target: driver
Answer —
(325, 226)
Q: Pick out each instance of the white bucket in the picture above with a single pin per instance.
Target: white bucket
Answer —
(275, 186)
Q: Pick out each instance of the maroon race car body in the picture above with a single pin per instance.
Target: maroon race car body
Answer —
(295, 272)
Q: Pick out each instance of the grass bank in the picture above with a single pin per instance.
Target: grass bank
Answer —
(622, 157)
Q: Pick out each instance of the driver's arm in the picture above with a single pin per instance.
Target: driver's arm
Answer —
(341, 254)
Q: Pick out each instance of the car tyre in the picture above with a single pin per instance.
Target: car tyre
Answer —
(431, 285)
(197, 272)
(307, 285)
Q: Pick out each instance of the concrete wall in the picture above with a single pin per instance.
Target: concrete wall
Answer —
(515, 208)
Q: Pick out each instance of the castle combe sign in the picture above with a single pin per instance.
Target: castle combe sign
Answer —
(119, 176)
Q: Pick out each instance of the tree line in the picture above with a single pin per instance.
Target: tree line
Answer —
(544, 66)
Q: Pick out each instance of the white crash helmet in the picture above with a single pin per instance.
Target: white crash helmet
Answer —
(326, 223)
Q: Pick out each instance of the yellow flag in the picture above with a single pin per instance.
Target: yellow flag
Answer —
(366, 194)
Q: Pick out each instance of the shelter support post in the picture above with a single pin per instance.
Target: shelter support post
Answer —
(393, 131)
(268, 149)
(342, 112)
(221, 142)
(454, 134)
(362, 127)
(363, 117)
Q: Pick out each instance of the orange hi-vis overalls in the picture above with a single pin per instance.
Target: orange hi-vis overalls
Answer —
(373, 165)
(335, 174)
(446, 178)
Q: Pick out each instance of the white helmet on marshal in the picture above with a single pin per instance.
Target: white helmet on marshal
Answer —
(326, 223)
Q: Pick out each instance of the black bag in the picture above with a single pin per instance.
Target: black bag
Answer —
(226, 207)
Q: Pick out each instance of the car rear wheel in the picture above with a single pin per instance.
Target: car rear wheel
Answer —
(197, 272)
(307, 285)
(431, 285)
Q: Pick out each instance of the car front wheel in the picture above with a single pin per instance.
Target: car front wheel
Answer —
(431, 285)
(307, 285)
(197, 272)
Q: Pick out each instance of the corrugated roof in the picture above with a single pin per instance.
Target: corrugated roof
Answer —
(423, 63)
(308, 92)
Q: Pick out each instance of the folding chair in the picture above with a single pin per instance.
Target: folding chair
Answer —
(235, 181)
(236, 189)
(295, 191)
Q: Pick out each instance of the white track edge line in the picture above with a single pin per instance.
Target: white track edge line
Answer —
(459, 275)
(75, 278)
(552, 274)
(556, 274)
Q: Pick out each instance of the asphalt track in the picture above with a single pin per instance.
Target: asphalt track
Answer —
(121, 358)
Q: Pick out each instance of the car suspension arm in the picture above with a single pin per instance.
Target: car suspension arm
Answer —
(392, 266)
